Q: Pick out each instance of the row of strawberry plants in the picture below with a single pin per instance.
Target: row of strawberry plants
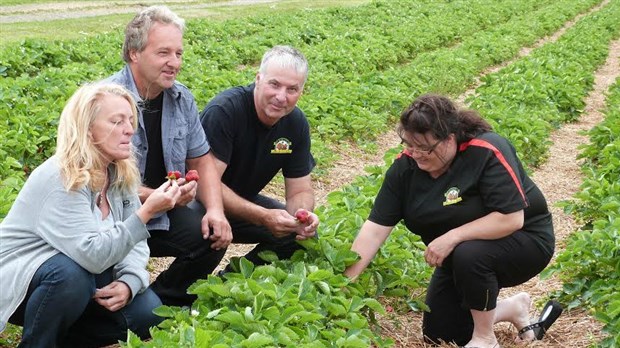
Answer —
(225, 306)
(589, 266)
(447, 70)
(337, 107)
(405, 29)
(212, 65)
(548, 88)
(397, 266)
(584, 45)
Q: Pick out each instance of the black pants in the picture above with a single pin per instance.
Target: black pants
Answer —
(248, 233)
(195, 259)
(471, 278)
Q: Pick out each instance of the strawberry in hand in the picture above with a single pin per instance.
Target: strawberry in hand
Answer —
(192, 175)
(174, 175)
(302, 216)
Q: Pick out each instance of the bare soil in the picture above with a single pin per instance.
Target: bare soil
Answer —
(80, 9)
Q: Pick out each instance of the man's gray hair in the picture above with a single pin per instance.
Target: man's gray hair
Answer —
(137, 31)
(285, 57)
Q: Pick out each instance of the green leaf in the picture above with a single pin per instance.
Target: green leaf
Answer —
(257, 340)
(233, 318)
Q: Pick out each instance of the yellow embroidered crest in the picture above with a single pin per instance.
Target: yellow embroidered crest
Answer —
(281, 146)
(452, 196)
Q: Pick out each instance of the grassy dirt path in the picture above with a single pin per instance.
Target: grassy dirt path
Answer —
(41, 12)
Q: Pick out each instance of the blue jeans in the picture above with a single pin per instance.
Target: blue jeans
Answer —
(59, 311)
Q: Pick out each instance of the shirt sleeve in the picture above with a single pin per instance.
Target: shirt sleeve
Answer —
(387, 209)
(219, 129)
(501, 182)
(67, 223)
(132, 269)
(198, 144)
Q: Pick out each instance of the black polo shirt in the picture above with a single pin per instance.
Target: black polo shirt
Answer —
(254, 152)
(485, 176)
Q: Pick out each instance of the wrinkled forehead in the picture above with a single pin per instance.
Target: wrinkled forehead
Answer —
(282, 75)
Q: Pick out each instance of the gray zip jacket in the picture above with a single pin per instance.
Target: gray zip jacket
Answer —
(46, 220)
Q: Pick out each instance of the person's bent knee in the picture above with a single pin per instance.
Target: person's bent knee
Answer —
(78, 280)
(142, 315)
(73, 284)
(466, 254)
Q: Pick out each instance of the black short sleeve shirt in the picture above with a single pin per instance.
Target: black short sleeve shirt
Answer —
(253, 152)
(485, 176)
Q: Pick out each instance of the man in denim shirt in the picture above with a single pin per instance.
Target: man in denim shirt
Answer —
(170, 138)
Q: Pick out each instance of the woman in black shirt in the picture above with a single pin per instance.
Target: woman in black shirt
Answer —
(486, 225)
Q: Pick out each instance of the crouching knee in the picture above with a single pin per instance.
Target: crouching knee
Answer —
(69, 282)
(140, 316)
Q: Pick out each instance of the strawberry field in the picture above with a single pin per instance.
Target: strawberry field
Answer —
(366, 63)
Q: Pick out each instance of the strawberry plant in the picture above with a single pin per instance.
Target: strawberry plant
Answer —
(589, 266)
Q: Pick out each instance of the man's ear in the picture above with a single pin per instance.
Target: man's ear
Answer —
(133, 55)
(257, 77)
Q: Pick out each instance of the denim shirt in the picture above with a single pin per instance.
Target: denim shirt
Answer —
(182, 134)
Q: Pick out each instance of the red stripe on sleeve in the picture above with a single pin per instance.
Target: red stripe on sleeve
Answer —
(403, 153)
(500, 157)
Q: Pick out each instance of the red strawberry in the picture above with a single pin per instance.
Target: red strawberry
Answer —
(192, 175)
(302, 216)
(173, 175)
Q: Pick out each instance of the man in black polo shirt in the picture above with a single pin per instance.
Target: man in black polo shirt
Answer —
(254, 132)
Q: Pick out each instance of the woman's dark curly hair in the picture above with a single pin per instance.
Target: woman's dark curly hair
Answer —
(440, 116)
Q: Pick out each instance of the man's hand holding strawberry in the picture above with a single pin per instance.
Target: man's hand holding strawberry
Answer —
(307, 222)
(281, 223)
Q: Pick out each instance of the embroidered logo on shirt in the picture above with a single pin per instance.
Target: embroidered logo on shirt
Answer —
(282, 145)
(452, 196)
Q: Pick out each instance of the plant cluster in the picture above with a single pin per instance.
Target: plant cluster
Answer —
(366, 63)
(535, 95)
(589, 266)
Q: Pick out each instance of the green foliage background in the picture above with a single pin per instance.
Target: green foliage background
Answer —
(367, 63)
